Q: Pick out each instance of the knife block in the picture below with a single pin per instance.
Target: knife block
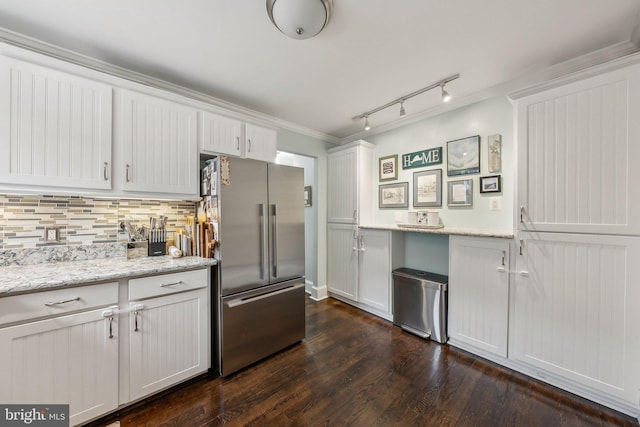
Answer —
(157, 248)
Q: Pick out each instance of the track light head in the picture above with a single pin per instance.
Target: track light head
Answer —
(445, 95)
(367, 126)
(402, 110)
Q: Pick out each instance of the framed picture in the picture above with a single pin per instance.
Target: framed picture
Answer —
(491, 184)
(388, 168)
(463, 156)
(427, 188)
(394, 195)
(494, 151)
(460, 193)
(307, 195)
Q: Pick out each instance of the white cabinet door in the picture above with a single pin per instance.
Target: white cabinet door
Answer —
(342, 191)
(70, 359)
(158, 144)
(575, 311)
(575, 143)
(169, 341)
(55, 128)
(479, 293)
(219, 134)
(260, 143)
(374, 273)
(342, 260)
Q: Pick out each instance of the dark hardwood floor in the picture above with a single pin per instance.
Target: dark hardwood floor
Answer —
(356, 369)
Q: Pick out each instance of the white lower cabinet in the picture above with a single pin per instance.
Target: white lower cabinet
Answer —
(70, 359)
(360, 262)
(479, 294)
(575, 315)
(168, 341)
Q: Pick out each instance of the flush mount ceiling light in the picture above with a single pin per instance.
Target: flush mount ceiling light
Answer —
(445, 98)
(299, 19)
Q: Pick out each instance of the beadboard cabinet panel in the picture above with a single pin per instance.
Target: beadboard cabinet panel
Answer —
(479, 293)
(260, 143)
(71, 360)
(219, 134)
(168, 341)
(575, 309)
(576, 144)
(55, 128)
(159, 145)
(342, 260)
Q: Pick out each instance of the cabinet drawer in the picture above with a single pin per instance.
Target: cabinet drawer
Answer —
(60, 301)
(166, 284)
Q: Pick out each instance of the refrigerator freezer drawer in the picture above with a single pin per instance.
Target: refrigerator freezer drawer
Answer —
(260, 322)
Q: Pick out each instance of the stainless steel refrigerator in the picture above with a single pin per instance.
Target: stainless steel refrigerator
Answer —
(261, 307)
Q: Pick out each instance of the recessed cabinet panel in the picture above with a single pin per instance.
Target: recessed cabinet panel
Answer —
(55, 128)
(577, 148)
(66, 360)
(159, 145)
(575, 309)
(219, 134)
(479, 293)
(260, 143)
(342, 260)
(375, 269)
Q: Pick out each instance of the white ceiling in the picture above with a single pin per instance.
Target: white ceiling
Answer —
(371, 52)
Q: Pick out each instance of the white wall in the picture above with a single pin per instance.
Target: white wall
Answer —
(485, 118)
(307, 146)
(430, 252)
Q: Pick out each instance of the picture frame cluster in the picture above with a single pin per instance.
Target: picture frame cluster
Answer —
(463, 159)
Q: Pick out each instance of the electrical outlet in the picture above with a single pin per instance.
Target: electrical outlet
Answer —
(51, 234)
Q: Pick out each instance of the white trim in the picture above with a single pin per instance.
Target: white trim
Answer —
(530, 80)
(635, 33)
(11, 38)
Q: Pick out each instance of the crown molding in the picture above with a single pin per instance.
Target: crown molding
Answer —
(38, 46)
(635, 33)
(531, 82)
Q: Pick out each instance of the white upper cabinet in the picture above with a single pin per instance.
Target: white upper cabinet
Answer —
(577, 145)
(223, 135)
(260, 143)
(219, 134)
(55, 128)
(157, 139)
(349, 179)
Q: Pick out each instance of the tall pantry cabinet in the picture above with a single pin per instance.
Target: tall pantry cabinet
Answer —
(577, 278)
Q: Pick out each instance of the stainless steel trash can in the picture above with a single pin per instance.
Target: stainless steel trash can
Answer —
(420, 303)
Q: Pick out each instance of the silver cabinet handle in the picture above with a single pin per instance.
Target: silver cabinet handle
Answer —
(361, 243)
(274, 254)
(51, 304)
(166, 285)
(521, 245)
(522, 214)
(504, 258)
(355, 214)
(249, 140)
(108, 314)
(127, 173)
(237, 143)
(136, 312)
(104, 172)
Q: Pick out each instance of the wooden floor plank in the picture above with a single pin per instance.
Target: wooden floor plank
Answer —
(356, 369)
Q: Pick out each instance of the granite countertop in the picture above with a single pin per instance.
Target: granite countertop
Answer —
(38, 277)
(443, 230)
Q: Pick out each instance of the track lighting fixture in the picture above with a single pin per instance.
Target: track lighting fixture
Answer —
(445, 98)
(445, 95)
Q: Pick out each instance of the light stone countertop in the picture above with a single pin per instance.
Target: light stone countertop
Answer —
(16, 279)
(443, 230)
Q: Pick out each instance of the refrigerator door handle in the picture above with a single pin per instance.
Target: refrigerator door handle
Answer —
(263, 241)
(274, 240)
(242, 301)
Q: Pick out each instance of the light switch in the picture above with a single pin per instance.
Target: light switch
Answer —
(495, 203)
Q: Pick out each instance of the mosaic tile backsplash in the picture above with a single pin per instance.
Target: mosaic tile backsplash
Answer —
(81, 220)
